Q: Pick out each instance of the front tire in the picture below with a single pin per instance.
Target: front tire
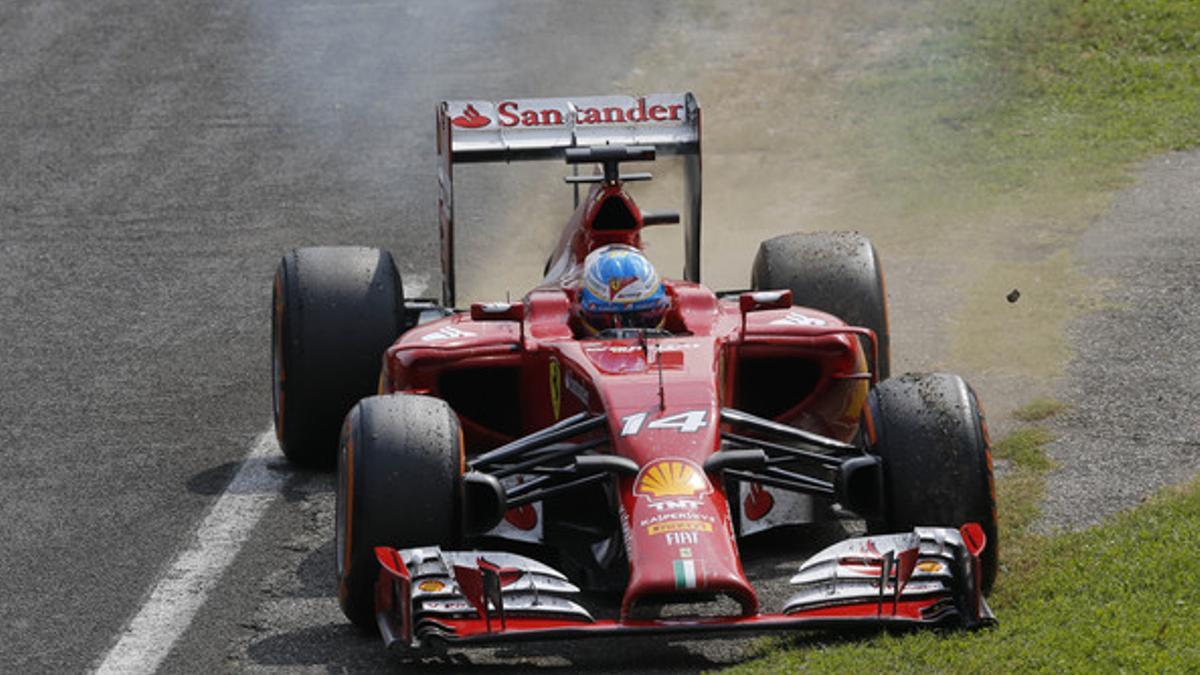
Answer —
(835, 272)
(335, 310)
(937, 463)
(399, 484)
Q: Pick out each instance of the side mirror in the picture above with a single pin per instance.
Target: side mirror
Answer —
(497, 311)
(756, 301)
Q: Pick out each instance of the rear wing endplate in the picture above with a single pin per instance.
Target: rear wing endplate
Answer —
(543, 128)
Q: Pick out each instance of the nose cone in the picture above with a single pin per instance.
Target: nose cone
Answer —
(679, 537)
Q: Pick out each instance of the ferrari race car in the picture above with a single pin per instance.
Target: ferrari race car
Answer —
(505, 475)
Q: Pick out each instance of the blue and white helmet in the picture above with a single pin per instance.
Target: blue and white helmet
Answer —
(621, 290)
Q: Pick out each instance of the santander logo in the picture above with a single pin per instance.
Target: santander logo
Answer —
(522, 517)
(471, 119)
(537, 113)
(758, 503)
(615, 286)
(512, 115)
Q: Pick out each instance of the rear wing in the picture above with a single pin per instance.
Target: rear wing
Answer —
(544, 128)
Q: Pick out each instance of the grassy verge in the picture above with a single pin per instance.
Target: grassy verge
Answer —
(1019, 492)
(1034, 99)
(996, 132)
(1122, 596)
(1039, 409)
(1008, 124)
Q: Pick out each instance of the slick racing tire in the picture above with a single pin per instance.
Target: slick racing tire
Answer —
(399, 484)
(335, 311)
(834, 272)
(937, 463)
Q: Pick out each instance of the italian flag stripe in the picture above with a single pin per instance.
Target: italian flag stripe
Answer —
(685, 574)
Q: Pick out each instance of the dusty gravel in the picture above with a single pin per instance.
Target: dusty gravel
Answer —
(1134, 382)
(1106, 320)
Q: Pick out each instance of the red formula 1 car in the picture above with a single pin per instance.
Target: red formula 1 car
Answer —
(507, 475)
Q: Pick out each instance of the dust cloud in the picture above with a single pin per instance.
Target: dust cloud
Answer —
(779, 155)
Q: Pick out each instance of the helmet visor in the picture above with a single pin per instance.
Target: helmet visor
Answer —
(647, 318)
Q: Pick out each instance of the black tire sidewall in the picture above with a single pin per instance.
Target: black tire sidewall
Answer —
(341, 308)
(835, 272)
(932, 436)
(404, 457)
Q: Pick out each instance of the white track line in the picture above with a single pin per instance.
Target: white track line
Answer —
(185, 585)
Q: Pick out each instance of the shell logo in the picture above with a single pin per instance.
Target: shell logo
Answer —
(431, 586)
(671, 478)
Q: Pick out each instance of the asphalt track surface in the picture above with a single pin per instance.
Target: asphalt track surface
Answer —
(156, 159)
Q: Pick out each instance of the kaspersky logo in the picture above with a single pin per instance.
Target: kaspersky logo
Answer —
(671, 478)
(471, 119)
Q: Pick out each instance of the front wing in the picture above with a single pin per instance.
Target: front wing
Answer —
(427, 597)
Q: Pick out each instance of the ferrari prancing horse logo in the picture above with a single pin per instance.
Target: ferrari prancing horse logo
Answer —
(555, 387)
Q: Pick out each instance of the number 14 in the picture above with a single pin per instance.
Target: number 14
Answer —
(686, 422)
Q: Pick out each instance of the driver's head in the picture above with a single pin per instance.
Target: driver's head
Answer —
(620, 290)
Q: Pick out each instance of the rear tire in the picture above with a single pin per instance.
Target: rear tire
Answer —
(834, 272)
(937, 463)
(399, 484)
(335, 311)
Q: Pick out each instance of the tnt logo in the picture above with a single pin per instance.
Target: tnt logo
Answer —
(675, 505)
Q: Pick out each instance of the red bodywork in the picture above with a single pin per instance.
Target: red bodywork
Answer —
(662, 398)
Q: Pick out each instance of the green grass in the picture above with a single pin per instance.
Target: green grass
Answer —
(1122, 597)
(1024, 448)
(1019, 494)
(1035, 107)
(1034, 99)
(1039, 409)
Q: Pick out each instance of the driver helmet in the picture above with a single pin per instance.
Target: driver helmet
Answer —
(620, 290)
